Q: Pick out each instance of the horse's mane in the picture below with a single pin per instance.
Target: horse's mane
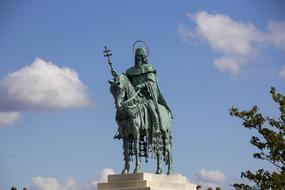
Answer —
(130, 89)
(124, 82)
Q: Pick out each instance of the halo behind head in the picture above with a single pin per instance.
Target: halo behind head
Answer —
(137, 44)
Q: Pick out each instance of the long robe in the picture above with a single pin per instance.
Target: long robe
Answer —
(145, 74)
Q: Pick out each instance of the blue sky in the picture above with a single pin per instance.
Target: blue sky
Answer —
(56, 111)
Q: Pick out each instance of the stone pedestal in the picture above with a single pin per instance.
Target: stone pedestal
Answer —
(146, 181)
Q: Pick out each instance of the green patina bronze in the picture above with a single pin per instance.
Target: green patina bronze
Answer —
(144, 119)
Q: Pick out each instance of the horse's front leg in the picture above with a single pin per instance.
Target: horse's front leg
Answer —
(126, 156)
(158, 147)
(137, 152)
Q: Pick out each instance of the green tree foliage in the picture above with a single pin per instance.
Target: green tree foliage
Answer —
(270, 143)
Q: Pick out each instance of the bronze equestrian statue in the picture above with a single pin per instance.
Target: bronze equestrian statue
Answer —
(144, 119)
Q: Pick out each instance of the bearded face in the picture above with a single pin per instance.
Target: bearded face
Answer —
(139, 57)
(138, 60)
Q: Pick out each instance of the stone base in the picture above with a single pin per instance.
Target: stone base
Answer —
(146, 181)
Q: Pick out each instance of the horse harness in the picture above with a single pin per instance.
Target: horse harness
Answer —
(127, 111)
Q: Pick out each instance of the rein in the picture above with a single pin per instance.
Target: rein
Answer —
(131, 98)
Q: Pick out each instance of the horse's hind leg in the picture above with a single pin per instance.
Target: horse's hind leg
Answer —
(126, 156)
(170, 170)
(168, 146)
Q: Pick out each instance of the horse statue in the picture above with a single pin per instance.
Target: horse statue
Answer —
(134, 127)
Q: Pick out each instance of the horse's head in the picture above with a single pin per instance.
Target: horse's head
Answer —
(118, 89)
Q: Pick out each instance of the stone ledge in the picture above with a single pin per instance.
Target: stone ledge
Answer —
(148, 177)
(123, 184)
(146, 181)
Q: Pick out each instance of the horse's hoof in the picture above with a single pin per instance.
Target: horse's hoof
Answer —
(125, 171)
(169, 172)
(136, 171)
(158, 171)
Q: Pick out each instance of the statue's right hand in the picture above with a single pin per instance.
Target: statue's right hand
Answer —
(139, 86)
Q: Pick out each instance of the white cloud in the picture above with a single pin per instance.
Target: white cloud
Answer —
(233, 40)
(52, 183)
(226, 35)
(42, 86)
(103, 176)
(227, 64)
(210, 178)
(49, 183)
(184, 33)
(282, 72)
(46, 183)
(8, 118)
(277, 33)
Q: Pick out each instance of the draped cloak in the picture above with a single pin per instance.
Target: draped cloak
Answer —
(146, 74)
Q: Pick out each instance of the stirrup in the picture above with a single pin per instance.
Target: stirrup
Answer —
(117, 136)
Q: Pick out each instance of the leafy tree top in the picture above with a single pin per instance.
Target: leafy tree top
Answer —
(270, 143)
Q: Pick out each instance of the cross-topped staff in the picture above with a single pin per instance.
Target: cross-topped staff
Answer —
(107, 53)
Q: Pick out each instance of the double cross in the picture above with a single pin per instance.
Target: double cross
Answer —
(107, 53)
